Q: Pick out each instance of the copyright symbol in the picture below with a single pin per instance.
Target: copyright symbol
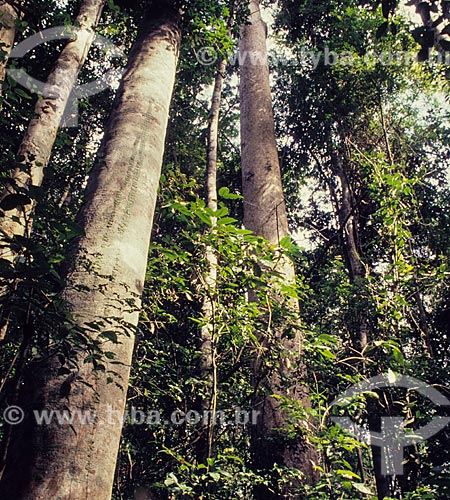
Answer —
(13, 415)
(207, 56)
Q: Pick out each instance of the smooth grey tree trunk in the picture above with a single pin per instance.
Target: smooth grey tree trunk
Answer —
(8, 17)
(265, 214)
(35, 149)
(104, 285)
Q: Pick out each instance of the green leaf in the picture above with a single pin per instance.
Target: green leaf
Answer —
(326, 353)
(171, 480)
(204, 218)
(224, 221)
(348, 474)
(115, 8)
(22, 93)
(221, 212)
(110, 335)
(93, 326)
(363, 489)
(227, 195)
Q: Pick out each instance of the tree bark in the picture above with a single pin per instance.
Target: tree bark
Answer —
(8, 17)
(265, 214)
(35, 149)
(207, 348)
(104, 283)
(265, 211)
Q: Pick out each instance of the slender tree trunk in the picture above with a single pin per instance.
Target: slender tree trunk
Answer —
(35, 149)
(207, 349)
(265, 214)
(104, 284)
(382, 482)
(8, 17)
(423, 324)
(348, 221)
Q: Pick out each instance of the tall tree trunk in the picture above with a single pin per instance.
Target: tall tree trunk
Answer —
(104, 283)
(207, 348)
(265, 214)
(8, 17)
(265, 211)
(35, 149)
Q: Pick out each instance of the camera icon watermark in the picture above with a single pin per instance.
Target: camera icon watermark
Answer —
(107, 80)
(394, 436)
